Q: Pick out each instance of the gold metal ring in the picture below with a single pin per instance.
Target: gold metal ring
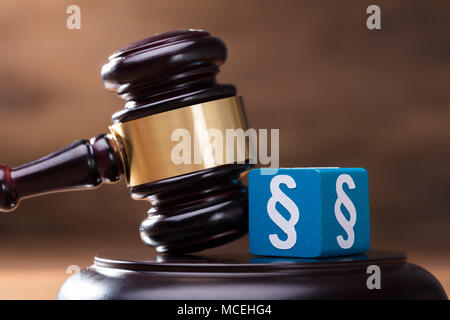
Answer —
(183, 140)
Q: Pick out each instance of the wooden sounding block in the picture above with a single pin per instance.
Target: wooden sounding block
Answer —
(239, 276)
(309, 212)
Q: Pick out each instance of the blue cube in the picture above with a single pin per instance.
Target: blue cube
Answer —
(309, 212)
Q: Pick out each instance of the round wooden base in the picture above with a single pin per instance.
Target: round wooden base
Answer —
(135, 276)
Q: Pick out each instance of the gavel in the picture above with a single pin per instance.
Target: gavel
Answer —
(169, 82)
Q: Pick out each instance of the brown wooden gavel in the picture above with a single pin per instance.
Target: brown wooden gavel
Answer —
(169, 82)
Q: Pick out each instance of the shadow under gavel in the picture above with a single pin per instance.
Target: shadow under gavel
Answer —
(169, 83)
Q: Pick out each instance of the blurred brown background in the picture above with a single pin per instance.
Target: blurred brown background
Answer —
(341, 95)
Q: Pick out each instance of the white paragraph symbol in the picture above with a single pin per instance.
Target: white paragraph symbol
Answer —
(343, 199)
(288, 226)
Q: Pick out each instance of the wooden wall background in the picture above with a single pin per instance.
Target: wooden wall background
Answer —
(340, 94)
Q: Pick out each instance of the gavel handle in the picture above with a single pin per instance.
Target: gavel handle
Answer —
(83, 164)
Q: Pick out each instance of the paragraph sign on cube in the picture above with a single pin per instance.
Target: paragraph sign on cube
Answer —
(309, 212)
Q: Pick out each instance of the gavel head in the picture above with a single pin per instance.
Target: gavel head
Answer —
(173, 138)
